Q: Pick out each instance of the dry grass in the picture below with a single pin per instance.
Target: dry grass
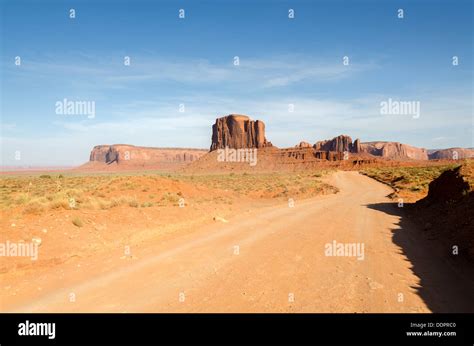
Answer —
(267, 185)
(37, 194)
(467, 171)
(412, 182)
(407, 178)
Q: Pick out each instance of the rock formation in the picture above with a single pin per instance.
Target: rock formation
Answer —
(394, 150)
(338, 144)
(356, 147)
(449, 186)
(329, 155)
(303, 144)
(238, 131)
(99, 153)
(451, 154)
(130, 155)
(309, 154)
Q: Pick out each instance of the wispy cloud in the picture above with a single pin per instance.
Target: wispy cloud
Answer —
(253, 73)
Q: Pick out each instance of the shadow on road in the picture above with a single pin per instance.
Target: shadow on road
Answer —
(446, 282)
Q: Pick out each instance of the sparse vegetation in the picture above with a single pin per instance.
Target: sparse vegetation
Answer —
(40, 193)
(408, 182)
(133, 203)
(77, 221)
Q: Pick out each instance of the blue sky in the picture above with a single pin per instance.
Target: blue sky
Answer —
(190, 61)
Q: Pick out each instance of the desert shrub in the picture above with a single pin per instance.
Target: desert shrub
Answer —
(115, 202)
(303, 189)
(22, 198)
(104, 204)
(33, 207)
(133, 203)
(88, 203)
(59, 203)
(73, 192)
(45, 176)
(170, 198)
(77, 221)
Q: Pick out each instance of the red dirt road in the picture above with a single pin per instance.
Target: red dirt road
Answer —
(273, 260)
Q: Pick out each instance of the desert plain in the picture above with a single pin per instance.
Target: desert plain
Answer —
(178, 230)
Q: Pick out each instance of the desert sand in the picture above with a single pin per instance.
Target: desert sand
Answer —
(266, 259)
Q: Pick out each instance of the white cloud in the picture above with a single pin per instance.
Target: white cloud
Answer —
(253, 73)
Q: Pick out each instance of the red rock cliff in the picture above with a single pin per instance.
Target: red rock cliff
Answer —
(394, 150)
(339, 144)
(123, 154)
(238, 131)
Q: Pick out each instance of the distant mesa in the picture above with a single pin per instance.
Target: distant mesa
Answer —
(394, 151)
(303, 144)
(130, 156)
(451, 154)
(388, 150)
(238, 131)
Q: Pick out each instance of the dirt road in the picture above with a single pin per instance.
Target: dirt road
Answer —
(275, 260)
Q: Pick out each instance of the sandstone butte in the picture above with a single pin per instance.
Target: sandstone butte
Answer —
(240, 131)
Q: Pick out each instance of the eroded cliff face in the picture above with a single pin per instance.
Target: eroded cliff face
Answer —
(451, 154)
(99, 153)
(357, 147)
(123, 154)
(238, 131)
(339, 144)
(394, 150)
